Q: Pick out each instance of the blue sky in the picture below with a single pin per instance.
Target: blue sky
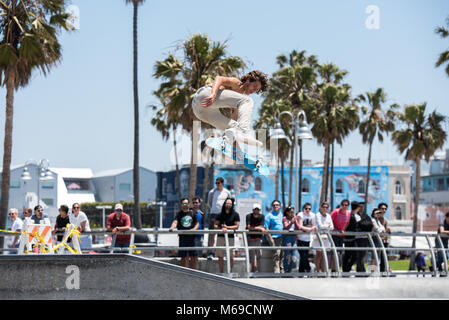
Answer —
(81, 114)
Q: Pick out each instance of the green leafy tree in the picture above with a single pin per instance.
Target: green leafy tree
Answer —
(418, 136)
(29, 32)
(136, 179)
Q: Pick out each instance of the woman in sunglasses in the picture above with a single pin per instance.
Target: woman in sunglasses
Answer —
(306, 223)
(291, 223)
(324, 223)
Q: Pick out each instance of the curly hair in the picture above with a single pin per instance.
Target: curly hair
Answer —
(256, 75)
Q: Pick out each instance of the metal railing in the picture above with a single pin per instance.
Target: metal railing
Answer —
(379, 251)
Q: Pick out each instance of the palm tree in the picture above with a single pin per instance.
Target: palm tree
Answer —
(333, 113)
(203, 59)
(375, 123)
(136, 180)
(444, 56)
(293, 83)
(29, 30)
(419, 136)
(334, 116)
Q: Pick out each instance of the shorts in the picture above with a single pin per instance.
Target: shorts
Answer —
(316, 242)
(254, 254)
(187, 241)
(221, 243)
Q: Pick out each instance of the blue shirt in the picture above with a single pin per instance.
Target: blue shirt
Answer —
(199, 216)
(273, 221)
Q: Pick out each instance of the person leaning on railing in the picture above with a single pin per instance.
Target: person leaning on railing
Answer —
(255, 222)
(380, 228)
(273, 221)
(443, 229)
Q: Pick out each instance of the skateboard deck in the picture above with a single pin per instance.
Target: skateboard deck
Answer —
(232, 152)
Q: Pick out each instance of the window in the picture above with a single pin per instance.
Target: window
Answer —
(48, 202)
(398, 187)
(47, 184)
(14, 184)
(447, 183)
(339, 186)
(398, 213)
(305, 185)
(258, 184)
(440, 184)
(361, 186)
(124, 187)
(229, 183)
(74, 185)
(164, 186)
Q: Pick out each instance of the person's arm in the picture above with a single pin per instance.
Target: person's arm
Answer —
(197, 225)
(443, 231)
(173, 225)
(287, 223)
(267, 228)
(219, 81)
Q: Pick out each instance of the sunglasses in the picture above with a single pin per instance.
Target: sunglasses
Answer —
(307, 208)
(76, 207)
(325, 207)
(276, 205)
(39, 210)
(184, 204)
(118, 210)
(345, 205)
(195, 202)
(218, 182)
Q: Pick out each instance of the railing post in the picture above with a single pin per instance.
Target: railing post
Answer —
(376, 256)
(432, 254)
(323, 249)
(384, 254)
(113, 243)
(245, 244)
(441, 248)
(228, 261)
(337, 263)
(131, 242)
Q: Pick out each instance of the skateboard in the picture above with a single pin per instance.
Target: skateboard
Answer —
(228, 150)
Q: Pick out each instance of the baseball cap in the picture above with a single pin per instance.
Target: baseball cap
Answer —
(118, 206)
(256, 206)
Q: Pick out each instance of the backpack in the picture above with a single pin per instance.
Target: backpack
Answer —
(365, 224)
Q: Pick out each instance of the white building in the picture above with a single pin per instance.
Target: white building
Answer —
(117, 185)
(59, 186)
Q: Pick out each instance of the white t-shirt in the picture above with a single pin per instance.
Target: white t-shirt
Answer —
(216, 199)
(307, 221)
(324, 223)
(17, 225)
(76, 221)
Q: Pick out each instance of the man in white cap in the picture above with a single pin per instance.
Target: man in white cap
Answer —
(255, 222)
(117, 223)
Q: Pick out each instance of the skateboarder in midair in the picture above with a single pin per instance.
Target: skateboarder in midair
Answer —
(230, 92)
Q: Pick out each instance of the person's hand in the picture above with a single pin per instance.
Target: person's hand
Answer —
(208, 101)
(170, 230)
(314, 229)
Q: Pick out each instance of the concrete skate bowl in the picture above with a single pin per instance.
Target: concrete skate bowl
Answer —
(117, 276)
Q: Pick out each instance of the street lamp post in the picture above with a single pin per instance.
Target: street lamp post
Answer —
(43, 171)
(301, 131)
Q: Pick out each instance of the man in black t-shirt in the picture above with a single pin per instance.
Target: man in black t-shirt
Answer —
(443, 230)
(186, 220)
(61, 222)
(227, 220)
(255, 221)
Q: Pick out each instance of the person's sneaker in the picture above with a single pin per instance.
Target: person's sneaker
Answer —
(240, 136)
(210, 256)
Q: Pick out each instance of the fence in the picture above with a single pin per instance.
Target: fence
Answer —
(438, 252)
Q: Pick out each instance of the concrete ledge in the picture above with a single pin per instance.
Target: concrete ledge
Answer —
(118, 276)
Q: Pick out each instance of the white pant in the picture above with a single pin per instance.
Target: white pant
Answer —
(224, 99)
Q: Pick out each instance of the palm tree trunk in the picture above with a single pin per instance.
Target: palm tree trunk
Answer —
(7, 147)
(292, 157)
(368, 175)
(178, 178)
(415, 211)
(276, 178)
(324, 177)
(137, 215)
(283, 183)
(193, 167)
(332, 176)
(300, 176)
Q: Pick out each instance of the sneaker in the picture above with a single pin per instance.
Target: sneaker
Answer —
(238, 135)
(210, 256)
